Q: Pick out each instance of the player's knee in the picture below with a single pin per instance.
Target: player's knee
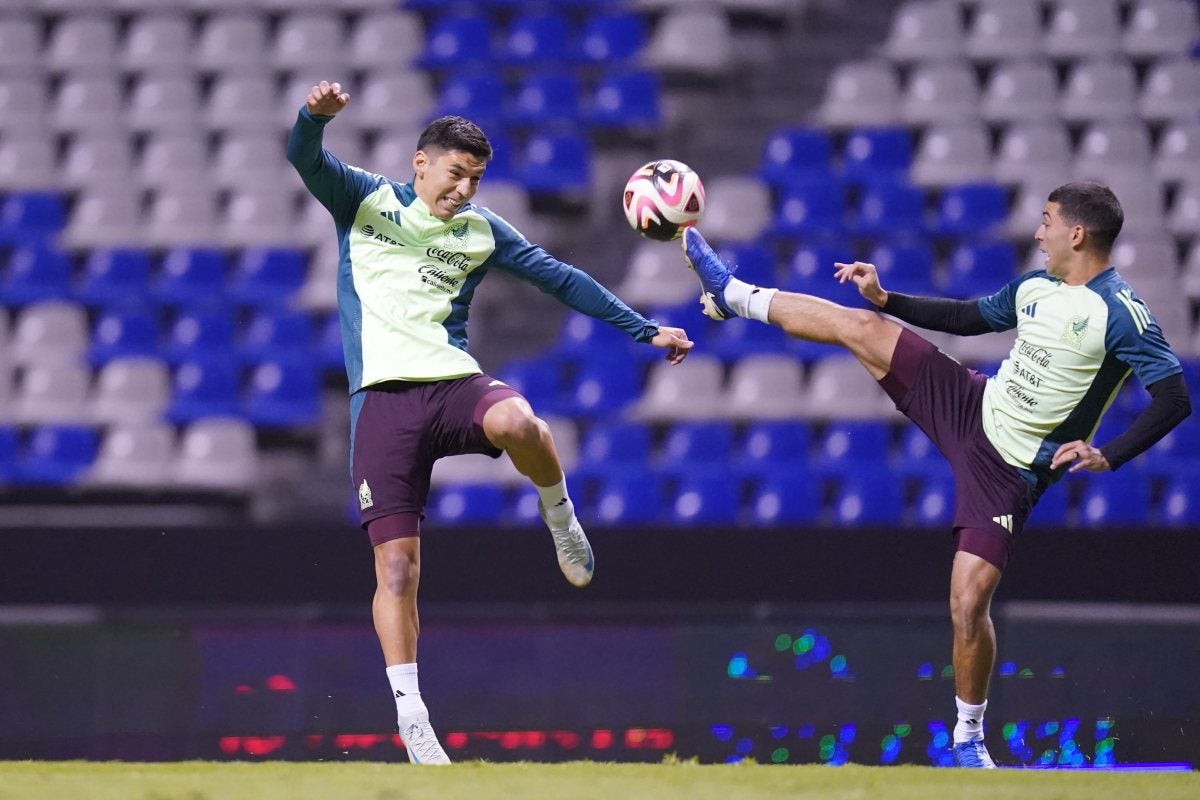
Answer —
(860, 327)
(398, 572)
(969, 608)
(512, 424)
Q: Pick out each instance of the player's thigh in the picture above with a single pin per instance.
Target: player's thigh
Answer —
(391, 457)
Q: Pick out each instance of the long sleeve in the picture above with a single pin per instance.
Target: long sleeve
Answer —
(961, 317)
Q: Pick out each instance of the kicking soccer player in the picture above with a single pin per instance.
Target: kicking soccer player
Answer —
(411, 257)
(1080, 331)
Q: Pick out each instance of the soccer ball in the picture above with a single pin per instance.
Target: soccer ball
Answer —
(662, 198)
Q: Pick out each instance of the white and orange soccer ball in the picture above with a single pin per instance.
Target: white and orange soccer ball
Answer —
(662, 198)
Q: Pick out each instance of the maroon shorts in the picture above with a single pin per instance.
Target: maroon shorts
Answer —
(945, 400)
(399, 428)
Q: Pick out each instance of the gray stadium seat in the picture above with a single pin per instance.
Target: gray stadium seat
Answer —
(692, 390)
(172, 158)
(1141, 199)
(88, 102)
(1148, 258)
(53, 393)
(653, 277)
(383, 93)
(183, 214)
(27, 161)
(97, 159)
(1006, 30)
(941, 93)
(385, 39)
(159, 42)
(1033, 153)
(953, 154)
(839, 387)
(135, 456)
(1109, 143)
(922, 30)
(737, 208)
(258, 215)
(218, 453)
(691, 41)
(1160, 28)
(510, 200)
(1177, 157)
(20, 44)
(53, 332)
(1171, 90)
(1099, 89)
(83, 42)
(164, 103)
(108, 217)
(244, 103)
(308, 38)
(1021, 90)
(131, 391)
(765, 387)
(1184, 217)
(1083, 29)
(233, 42)
(861, 93)
(246, 158)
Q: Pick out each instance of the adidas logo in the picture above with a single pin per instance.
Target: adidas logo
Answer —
(391, 216)
(1004, 521)
(1030, 310)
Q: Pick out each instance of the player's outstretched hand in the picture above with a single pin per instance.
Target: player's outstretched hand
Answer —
(326, 99)
(1083, 454)
(865, 277)
(675, 341)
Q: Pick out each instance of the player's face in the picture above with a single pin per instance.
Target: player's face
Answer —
(1056, 238)
(446, 179)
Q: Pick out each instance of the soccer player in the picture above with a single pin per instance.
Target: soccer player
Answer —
(412, 255)
(1080, 331)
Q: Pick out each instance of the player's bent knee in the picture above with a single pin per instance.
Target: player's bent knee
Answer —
(511, 422)
(398, 571)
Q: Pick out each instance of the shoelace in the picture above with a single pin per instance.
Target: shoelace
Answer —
(570, 544)
(421, 738)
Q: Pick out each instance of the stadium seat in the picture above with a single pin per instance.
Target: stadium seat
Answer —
(475, 95)
(243, 104)
(770, 447)
(120, 333)
(698, 443)
(1083, 29)
(88, 102)
(654, 276)
(1031, 152)
(53, 332)
(1145, 259)
(385, 37)
(191, 277)
(877, 154)
(247, 159)
(704, 500)
(277, 333)
(556, 164)
(1021, 91)
(696, 42)
(1160, 28)
(810, 268)
(1171, 91)
(283, 393)
(582, 337)
(466, 504)
(631, 497)
(454, 41)
(204, 388)
(1177, 157)
(1099, 89)
(608, 444)
(199, 333)
(626, 100)
(25, 102)
(925, 29)
(10, 447)
(905, 267)
(110, 217)
(305, 38)
(328, 351)
(794, 154)
(933, 505)
(974, 270)
(1110, 499)
(810, 209)
(114, 278)
(918, 457)
(1109, 142)
(267, 277)
(20, 43)
(539, 38)
(540, 379)
(183, 215)
(35, 274)
(839, 387)
(53, 394)
(870, 496)
(135, 456)
(888, 209)
(950, 154)
(163, 103)
(1179, 505)
(940, 93)
(737, 208)
(1178, 451)
(380, 96)
(173, 158)
(83, 43)
(158, 42)
(786, 500)
(31, 218)
(1007, 30)
(1053, 509)
(217, 453)
(764, 386)
(741, 338)
(27, 160)
(236, 41)
(970, 210)
(692, 390)
(131, 391)
(603, 386)
(97, 160)
(613, 36)
(546, 99)
(861, 94)
(56, 455)
(845, 447)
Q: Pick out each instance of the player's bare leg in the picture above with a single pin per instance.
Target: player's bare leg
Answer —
(512, 426)
(973, 581)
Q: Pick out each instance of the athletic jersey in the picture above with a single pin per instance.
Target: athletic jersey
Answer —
(1075, 346)
(406, 278)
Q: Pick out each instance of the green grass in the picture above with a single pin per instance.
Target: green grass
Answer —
(196, 780)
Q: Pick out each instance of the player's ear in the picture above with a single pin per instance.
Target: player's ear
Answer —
(1078, 235)
(420, 162)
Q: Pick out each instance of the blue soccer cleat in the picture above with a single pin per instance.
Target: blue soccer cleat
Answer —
(973, 754)
(713, 273)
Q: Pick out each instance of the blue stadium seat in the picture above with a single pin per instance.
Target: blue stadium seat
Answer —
(689, 316)
(626, 100)
(633, 496)
(978, 269)
(268, 276)
(503, 165)
(626, 444)
(918, 457)
(774, 447)
(115, 277)
(56, 455)
(36, 273)
(796, 155)
(556, 163)
(283, 393)
(753, 262)
(456, 40)
(612, 37)
(537, 38)
(810, 209)
(786, 500)
(466, 504)
(478, 96)
(31, 218)
(122, 333)
(584, 337)
(869, 496)
(704, 499)
(905, 267)
(329, 343)
(199, 334)
(603, 386)
(933, 505)
(1178, 451)
(204, 388)
(742, 337)
(972, 209)
(1053, 509)
(848, 446)
(1111, 498)
(539, 379)
(810, 268)
(877, 154)
(1179, 505)
(546, 98)
(10, 446)
(192, 277)
(889, 209)
(696, 443)
(277, 334)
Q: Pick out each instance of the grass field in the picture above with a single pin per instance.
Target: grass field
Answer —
(197, 780)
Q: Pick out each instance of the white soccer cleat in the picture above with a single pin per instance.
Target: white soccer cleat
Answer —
(421, 742)
(574, 553)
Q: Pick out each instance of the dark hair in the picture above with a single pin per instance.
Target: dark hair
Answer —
(1095, 207)
(456, 133)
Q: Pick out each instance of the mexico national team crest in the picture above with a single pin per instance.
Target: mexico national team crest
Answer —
(365, 500)
(1075, 330)
(457, 236)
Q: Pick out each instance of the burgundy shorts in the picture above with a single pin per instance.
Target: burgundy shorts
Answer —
(945, 400)
(399, 428)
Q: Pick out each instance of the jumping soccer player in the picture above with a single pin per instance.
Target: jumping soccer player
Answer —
(1080, 332)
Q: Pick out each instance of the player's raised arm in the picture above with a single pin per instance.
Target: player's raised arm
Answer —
(866, 278)
(326, 99)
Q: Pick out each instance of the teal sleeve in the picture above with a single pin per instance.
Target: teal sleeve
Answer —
(339, 187)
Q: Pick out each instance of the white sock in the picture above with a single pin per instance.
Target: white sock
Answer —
(970, 721)
(748, 300)
(557, 503)
(403, 679)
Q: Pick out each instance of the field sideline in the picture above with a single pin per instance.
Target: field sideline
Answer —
(196, 780)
